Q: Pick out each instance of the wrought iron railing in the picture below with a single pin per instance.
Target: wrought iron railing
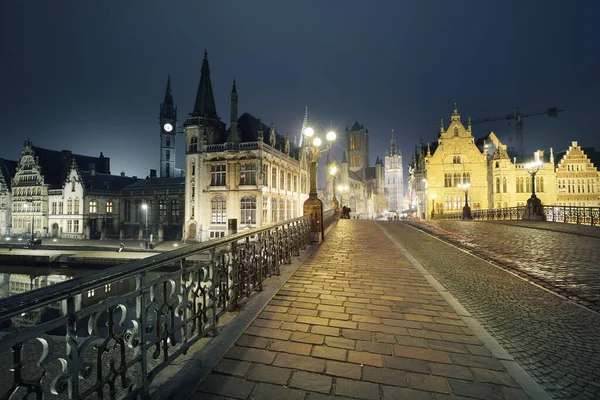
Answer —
(114, 348)
(565, 214)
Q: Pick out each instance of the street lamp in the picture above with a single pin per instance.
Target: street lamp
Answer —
(432, 206)
(145, 208)
(313, 206)
(342, 189)
(334, 203)
(534, 205)
(466, 209)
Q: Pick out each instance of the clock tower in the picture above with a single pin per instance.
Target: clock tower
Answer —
(168, 121)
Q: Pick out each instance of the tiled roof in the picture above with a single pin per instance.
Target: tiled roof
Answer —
(56, 165)
(157, 183)
(106, 181)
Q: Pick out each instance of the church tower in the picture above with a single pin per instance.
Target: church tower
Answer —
(168, 122)
(394, 177)
(358, 148)
(203, 127)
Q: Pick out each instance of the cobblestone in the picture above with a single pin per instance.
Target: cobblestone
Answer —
(554, 340)
(356, 322)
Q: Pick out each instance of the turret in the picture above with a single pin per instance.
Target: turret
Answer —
(233, 132)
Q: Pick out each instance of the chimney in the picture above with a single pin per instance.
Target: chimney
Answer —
(152, 173)
(123, 174)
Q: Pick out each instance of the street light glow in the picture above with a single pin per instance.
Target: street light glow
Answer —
(144, 206)
(333, 170)
(309, 131)
(317, 142)
(331, 136)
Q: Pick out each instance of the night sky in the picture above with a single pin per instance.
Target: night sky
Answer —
(89, 75)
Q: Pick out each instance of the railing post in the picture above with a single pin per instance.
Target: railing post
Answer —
(140, 315)
(73, 349)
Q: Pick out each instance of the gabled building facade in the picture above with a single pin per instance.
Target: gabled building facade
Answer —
(248, 172)
(7, 169)
(577, 178)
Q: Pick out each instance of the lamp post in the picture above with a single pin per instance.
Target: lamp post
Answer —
(145, 208)
(313, 206)
(334, 203)
(534, 210)
(466, 209)
(342, 189)
(433, 206)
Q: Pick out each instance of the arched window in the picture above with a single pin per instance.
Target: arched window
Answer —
(218, 206)
(193, 145)
(497, 185)
(93, 207)
(456, 179)
(281, 210)
(168, 155)
(248, 205)
(175, 211)
(497, 164)
(273, 210)
(168, 142)
(168, 170)
(504, 185)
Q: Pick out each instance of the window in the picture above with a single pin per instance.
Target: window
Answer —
(193, 145)
(295, 187)
(107, 287)
(264, 175)
(504, 185)
(281, 210)
(457, 202)
(168, 142)
(273, 210)
(162, 209)
(175, 211)
(76, 206)
(289, 209)
(127, 211)
(110, 207)
(60, 207)
(70, 206)
(265, 208)
(456, 160)
(274, 177)
(53, 207)
(447, 180)
(248, 174)
(93, 207)
(497, 185)
(168, 155)
(294, 209)
(248, 210)
(217, 234)
(193, 169)
(217, 175)
(289, 182)
(76, 226)
(456, 179)
(168, 170)
(282, 180)
(138, 211)
(219, 210)
(448, 202)
(497, 164)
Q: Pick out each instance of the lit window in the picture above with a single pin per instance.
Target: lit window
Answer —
(110, 207)
(217, 175)
(248, 174)
(93, 207)
(219, 210)
(248, 206)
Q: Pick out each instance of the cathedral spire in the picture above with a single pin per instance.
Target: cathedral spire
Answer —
(393, 145)
(205, 100)
(233, 132)
(305, 124)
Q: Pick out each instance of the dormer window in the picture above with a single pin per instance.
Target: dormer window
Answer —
(89, 184)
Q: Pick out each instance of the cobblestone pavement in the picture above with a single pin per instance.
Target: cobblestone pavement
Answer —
(358, 320)
(562, 258)
(554, 340)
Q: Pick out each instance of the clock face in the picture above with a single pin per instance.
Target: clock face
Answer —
(168, 127)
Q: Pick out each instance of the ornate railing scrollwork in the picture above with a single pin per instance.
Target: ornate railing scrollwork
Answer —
(565, 214)
(114, 347)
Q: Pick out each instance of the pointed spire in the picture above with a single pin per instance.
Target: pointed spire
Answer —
(455, 114)
(441, 125)
(428, 150)
(205, 100)
(305, 124)
(168, 96)
(393, 145)
(233, 131)
(344, 159)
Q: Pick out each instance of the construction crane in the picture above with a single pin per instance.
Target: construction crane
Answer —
(518, 117)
